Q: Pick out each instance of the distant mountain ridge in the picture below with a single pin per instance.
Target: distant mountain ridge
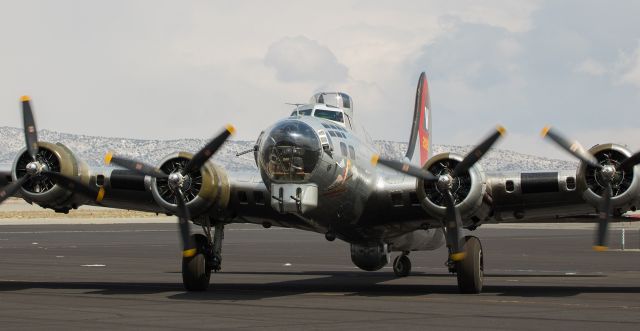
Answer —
(92, 149)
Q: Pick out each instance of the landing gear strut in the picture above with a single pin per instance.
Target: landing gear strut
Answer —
(470, 271)
(196, 270)
(402, 265)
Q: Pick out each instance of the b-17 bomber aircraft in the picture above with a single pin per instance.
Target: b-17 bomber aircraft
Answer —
(319, 173)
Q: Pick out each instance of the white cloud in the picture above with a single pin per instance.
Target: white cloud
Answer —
(514, 16)
(165, 69)
(591, 67)
(629, 66)
(300, 59)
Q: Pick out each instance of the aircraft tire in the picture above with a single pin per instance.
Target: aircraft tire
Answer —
(196, 271)
(402, 266)
(470, 271)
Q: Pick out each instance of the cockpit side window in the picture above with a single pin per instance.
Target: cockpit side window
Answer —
(329, 115)
(305, 112)
(346, 100)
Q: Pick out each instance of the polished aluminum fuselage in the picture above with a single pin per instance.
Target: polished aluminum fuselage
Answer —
(364, 203)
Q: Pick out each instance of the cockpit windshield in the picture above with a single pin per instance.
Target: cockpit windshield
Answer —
(332, 115)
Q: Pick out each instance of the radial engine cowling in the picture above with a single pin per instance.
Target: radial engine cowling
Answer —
(468, 190)
(41, 189)
(202, 188)
(626, 187)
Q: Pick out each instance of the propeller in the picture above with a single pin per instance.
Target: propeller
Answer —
(453, 220)
(176, 181)
(36, 168)
(608, 173)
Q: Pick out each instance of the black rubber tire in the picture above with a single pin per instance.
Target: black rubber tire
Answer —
(196, 271)
(470, 271)
(402, 266)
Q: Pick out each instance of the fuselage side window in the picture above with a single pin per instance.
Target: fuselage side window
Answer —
(343, 149)
(352, 152)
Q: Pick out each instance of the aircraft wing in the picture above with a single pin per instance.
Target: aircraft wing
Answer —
(241, 196)
(403, 204)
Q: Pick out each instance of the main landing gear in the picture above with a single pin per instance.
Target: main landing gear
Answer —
(470, 270)
(196, 269)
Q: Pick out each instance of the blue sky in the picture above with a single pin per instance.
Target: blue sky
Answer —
(170, 69)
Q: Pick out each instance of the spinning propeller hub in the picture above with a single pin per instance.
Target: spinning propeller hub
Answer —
(608, 172)
(445, 182)
(33, 168)
(176, 180)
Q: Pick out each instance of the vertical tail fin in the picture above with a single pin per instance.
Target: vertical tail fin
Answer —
(419, 149)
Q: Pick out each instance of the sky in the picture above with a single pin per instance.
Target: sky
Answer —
(171, 69)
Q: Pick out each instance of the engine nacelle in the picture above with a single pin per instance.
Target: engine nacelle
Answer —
(370, 257)
(626, 187)
(203, 188)
(41, 189)
(468, 190)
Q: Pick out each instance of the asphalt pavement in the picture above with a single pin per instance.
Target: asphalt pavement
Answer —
(127, 276)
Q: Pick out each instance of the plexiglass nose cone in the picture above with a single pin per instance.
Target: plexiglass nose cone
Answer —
(290, 151)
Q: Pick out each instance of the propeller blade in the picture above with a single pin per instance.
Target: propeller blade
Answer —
(574, 148)
(603, 221)
(134, 165)
(404, 168)
(199, 159)
(77, 186)
(188, 247)
(478, 152)
(12, 188)
(629, 163)
(454, 229)
(30, 132)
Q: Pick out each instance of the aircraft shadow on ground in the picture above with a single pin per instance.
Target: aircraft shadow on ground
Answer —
(348, 283)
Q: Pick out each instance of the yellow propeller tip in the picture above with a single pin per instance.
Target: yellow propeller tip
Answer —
(598, 248)
(374, 159)
(231, 128)
(100, 194)
(189, 252)
(545, 131)
(501, 130)
(25, 98)
(458, 256)
(108, 157)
